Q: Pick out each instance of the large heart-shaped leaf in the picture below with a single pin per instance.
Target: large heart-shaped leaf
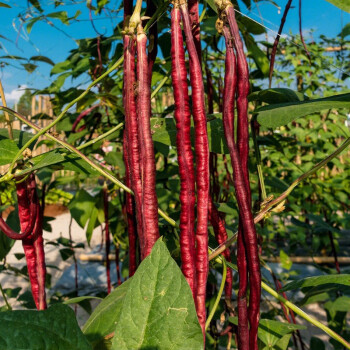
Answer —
(158, 310)
(54, 328)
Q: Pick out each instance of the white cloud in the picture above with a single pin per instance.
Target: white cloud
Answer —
(15, 94)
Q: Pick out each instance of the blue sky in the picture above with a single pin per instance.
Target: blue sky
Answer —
(46, 40)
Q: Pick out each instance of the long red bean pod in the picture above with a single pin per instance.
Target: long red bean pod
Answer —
(129, 202)
(148, 166)
(230, 82)
(202, 166)
(33, 245)
(130, 211)
(250, 237)
(182, 116)
(131, 128)
(278, 36)
(108, 241)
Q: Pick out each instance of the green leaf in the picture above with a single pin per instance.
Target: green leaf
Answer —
(19, 137)
(42, 59)
(164, 131)
(342, 4)
(313, 282)
(81, 207)
(61, 67)
(8, 151)
(286, 261)
(61, 15)
(158, 309)
(280, 114)
(258, 56)
(271, 332)
(4, 5)
(345, 31)
(77, 300)
(103, 320)
(44, 160)
(29, 67)
(54, 328)
(277, 95)
(36, 4)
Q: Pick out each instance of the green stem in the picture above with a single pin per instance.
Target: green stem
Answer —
(261, 215)
(154, 18)
(101, 137)
(71, 148)
(305, 316)
(7, 118)
(5, 298)
(218, 298)
(160, 85)
(258, 162)
(69, 105)
(135, 18)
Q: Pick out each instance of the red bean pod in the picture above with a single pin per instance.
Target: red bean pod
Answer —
(230, 82)
(131, 129)
(130, 213)
(81, 116)
(108, 241)
(33, 245)
(202, 166)
(243, 148)
(9, 232)
(148, 165)
(182, 116)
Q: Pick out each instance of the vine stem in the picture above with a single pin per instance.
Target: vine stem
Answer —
(5, 298)
(274, 203)
(7, 117)
(62, 114)
(161, 84)
(305, 316)
(101, 137)
(71, 148)
(295, 308)
(218, 298)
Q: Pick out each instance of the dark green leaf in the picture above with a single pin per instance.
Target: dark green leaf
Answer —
(29, 67)
(36, 4)
(4, 5)
(54, 328)
(81, 207)
(280, 114)
(42, 59)
(313, 282)
(8, 151)
(158, 308)
(19, 137)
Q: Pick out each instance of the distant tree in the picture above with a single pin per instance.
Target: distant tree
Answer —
(25, 103)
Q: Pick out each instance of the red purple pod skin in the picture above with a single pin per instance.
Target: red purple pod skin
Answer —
(148, 166)
(108, 241)
(202, 166)
(131, 129)
(250, 237)
(182, 116)
(130, 213)
(230, 82)
(33, 245)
